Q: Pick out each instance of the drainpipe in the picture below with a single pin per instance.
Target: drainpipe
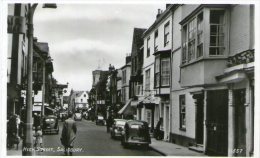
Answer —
(171, 102)
(43, 89)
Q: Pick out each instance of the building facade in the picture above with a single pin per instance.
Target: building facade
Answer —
(136, 78)
(213, 78)
(16, 57)
(156, 70)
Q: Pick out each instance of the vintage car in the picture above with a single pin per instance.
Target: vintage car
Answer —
(100, 120)
(136, 133)
(77, 116)
(117, 128)
(50, 124)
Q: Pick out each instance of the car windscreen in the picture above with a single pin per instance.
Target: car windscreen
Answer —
(120, 123)
(100, 117)
(49, 120)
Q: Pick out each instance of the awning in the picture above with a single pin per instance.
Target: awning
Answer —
(53, 110)
(134, 103)
(126, 109)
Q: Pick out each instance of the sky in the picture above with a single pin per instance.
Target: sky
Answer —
(86, 37)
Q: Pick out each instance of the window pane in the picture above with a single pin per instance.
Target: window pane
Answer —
(217, 35)
(184, 44)
(182, 111)
(147, 79)
(157, 64)
(165, 72)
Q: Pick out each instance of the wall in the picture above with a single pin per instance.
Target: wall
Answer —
(202, 72)
(239, 29)
(190, 113)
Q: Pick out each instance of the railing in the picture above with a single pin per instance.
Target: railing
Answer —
(241, 58)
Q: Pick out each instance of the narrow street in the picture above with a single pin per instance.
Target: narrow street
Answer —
(92, 140)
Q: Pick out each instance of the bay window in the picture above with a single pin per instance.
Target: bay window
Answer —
(194, 31)
(162, 70)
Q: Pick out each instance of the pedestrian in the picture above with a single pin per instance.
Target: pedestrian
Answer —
(38, 138)
(37, 121)
(158, 134)
(68, 134)
(109, 122)
(12, 132)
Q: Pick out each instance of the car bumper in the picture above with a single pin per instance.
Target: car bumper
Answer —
(50, 130)
(133, 141)
(116, 134)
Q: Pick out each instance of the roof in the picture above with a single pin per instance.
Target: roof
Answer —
(160, 18)
(137, 39)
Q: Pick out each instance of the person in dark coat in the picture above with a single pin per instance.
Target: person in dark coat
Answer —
(109, 122)
(68, 134)
(37, 121)
(12, 131)
(158, 134)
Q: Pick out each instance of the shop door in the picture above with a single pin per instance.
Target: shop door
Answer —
(240, 125)
(217, 123)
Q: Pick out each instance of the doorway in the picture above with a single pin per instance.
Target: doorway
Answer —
(199, 117)
(167, 120)
(240, 124)
(217, 123)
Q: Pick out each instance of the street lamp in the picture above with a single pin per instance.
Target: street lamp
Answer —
(28, 142)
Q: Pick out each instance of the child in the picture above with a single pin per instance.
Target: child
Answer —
(38, 138)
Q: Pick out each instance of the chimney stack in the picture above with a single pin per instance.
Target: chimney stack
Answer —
(159, 13)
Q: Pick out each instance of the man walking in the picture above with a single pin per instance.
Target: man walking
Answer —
(68, 134)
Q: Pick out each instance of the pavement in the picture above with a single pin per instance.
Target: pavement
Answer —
(14, 151)
(170, 149)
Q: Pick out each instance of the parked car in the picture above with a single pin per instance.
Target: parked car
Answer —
(50, 124)
(100, 120)
(136, 133)
(78, 116)
(117, 128)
